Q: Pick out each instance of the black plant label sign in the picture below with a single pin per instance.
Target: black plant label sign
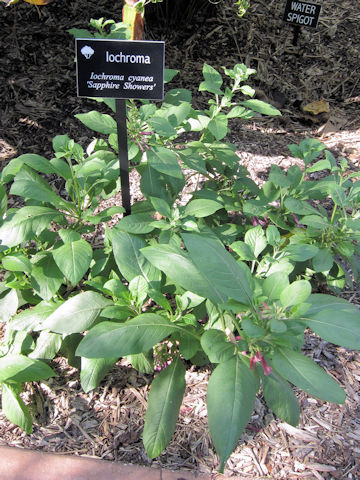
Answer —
(120, 68)
(302, 14)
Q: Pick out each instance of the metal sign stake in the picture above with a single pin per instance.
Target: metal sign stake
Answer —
(120, 117)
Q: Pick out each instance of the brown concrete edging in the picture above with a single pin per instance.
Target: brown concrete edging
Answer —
(21, 464)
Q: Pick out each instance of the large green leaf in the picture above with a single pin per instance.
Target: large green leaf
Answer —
(97, 121)
(137, 223)
(212, 80)
(15, 409)
(335, 320)
(274, 284)
(165, 161)
(295, 293)
(323, 260)
(20, 369)
(255, 237)
(306, 374)
(218, 126)
(9, 303)
(93, 370)
(180, 268)
(26, 224)
(47, 346)
(37, 162)
(17, 262)
(46, 277)
(230, 401)
(166, 393)
(129, 258)
(77, 314)
(162, 126)
(138, 335)
(29, 184)
(73, 259)
(32, 318)
(219, 267)
(202, 207)
(3, 201)
(142, 362)
(280, 398)
(216, 346)
(261, 107)
(301, 252)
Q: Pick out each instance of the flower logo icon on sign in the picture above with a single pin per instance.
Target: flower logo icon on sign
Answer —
(87, 51)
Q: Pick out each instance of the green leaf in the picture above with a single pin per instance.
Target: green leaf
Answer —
(27, 223)
(273, 235)
(46, 278)
(280, 398)
(37, 162)
(68, 347)
(3, 201)
(232, 278)
(73, 259)
(300, 252)
(142, 362)
(164, 161)
(238, 112)
(180, 268)
(338, 195)
(162, 126)
(230, 401)
(202, 207)
(296, 293)
(32, 318)
(218, 126)
(274, 284)
(213, 80)
(130, 259)
(244, 250)
(315, 221)
(138, 335)
(93, 370)
(137, 223)
(30, 185)
(17, 262)
(188, 344)
(161, 206)
(176, 96)
(261, 107)
(77, 314)
(320, 165)
(307, 375)
(166, 393)
(216, 346)
(255, 237)
(323, 260)
(169, 74)
(9, 303)
(20, 369)
(47, 346)
(334, 320)
(15, 409)
(99, 122)
(299, 207)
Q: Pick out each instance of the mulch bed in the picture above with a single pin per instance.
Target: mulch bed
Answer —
(38, 101)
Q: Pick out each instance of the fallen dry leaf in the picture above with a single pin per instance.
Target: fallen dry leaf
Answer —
(320, 106)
